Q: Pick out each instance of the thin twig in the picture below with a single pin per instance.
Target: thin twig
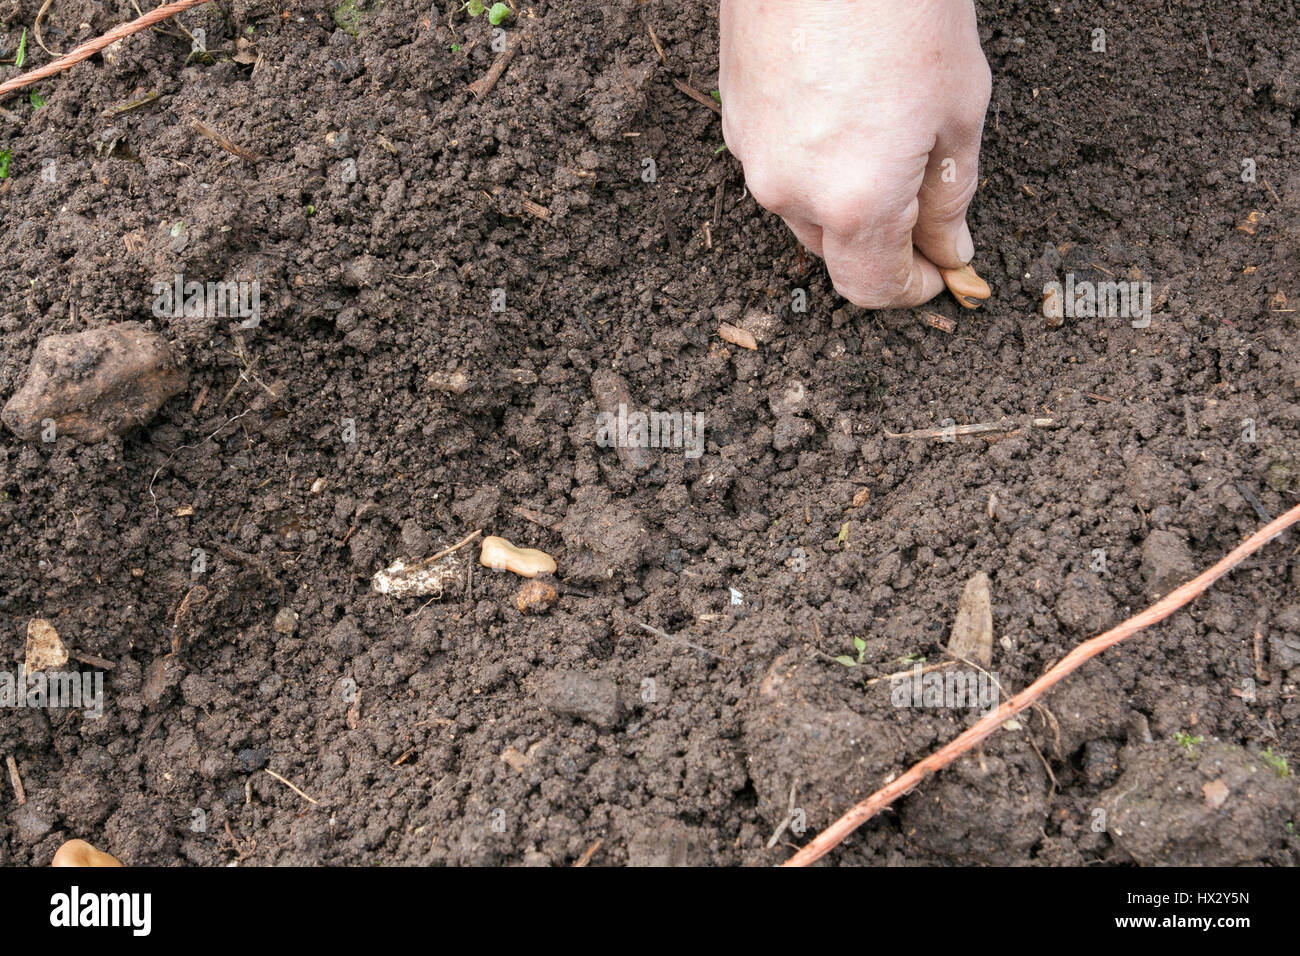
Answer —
(94, 660)
(658, 46)
(833, 835)
(928, 668)
(697, 96)
(36, 28)
(291, 786)
(455, 547)
(91, 47)
(977, 429)
(484, 84)
(789, 816)
(940, 322)
(182, 448)
(669, 637)
(131, 104)
(233, 148)
(587, 854)
(16, 780)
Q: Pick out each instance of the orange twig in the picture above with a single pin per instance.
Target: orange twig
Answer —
(831, 837)
(91, 47)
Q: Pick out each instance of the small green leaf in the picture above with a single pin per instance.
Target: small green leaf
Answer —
(717, 95)
(498, 14)
(860, 644)
(475, 8)
(719, 149)
(6, 155)
(455, 48)
(844, 533)
(36, 99)
(846, 661)
(22, 51)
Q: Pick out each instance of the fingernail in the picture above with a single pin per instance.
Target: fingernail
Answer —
(965, 244)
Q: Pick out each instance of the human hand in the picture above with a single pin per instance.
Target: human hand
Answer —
(858, 122)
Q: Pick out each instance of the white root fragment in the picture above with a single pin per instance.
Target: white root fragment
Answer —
(419, 579)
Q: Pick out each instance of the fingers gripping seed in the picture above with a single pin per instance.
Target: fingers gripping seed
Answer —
(966, 286)
(500, 554)
(80, 853)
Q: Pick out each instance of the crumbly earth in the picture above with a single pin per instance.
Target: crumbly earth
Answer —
(381, 409)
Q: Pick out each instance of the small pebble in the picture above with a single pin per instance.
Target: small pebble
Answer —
(535, 597)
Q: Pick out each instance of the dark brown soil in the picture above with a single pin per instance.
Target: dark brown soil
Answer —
(465, 732)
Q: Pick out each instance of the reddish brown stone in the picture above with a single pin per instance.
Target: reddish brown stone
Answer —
(94, 384)
(535, 597)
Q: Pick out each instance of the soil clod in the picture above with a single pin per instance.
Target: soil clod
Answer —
(581, 696)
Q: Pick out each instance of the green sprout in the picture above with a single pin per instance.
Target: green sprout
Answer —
(348, 15)
(847, 661)
(1277, 762)
(455, 48)
(912, 659)
(311, 210)
(22, 51)
(36, 99)
(1188, 742)
(5, 156)
(497, 14)
(720, 149)
(844, 533)
(716, 94)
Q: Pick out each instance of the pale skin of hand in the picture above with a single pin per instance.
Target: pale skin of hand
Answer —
(858, 122)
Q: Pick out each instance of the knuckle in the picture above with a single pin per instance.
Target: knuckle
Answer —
(985, 86)
(848, 211)
(770, 187)
(872, 288)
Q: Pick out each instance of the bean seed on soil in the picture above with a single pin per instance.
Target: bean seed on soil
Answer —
(500, 555)
(966, 286)
(79, 853)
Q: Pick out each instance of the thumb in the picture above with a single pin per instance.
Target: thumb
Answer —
(941, 231)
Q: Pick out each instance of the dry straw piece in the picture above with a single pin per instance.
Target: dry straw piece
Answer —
(79, 853)
(500, 555)
(737, 336)
(45, 650)
(966, 286)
